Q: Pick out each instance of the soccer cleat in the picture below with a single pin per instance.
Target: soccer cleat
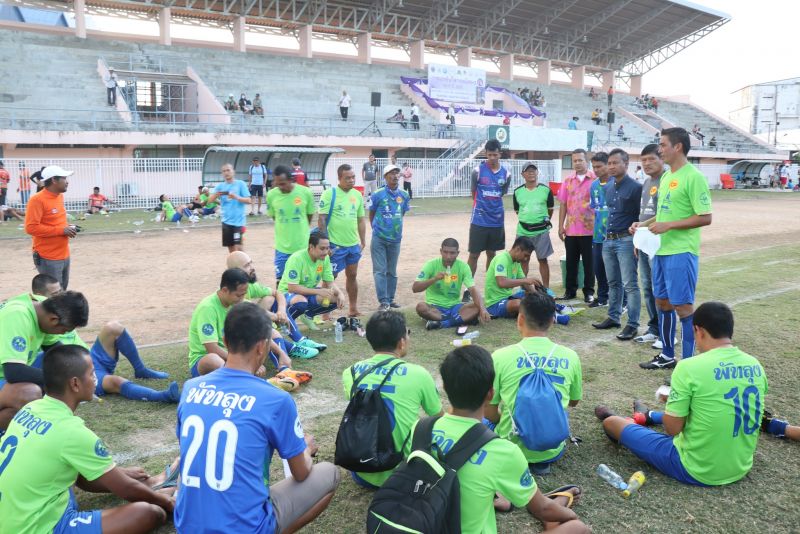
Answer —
(641, 413)
(309, 322)
(466, 297)
(597, 304)
(659, 362)
(287, 384)
(310, 343)
(602, 412)
(302, 352)
(301, 377)
(150, 373)
(433, 325)
(646, 338)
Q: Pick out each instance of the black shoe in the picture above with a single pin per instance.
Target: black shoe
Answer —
(602, 412)
(355, 324)
(467, 297)
(628, 333)
(393, 304)
(597, 304)
(566, 296)
(659, 362)
(588, 299)
(433, 325)
(605, 325)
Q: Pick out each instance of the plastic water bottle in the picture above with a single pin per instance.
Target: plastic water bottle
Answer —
(337, 332)
(611, 477)
(285, 330)
(634, 483)
(461, 342)
(472, 335)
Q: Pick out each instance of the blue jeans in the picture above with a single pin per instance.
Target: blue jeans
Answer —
(384, 268)
(600, 272)
(621, 272)
(646, 277)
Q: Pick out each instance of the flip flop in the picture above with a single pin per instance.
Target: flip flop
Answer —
(563, 491)
(171, 481)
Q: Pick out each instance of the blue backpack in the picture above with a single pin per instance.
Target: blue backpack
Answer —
(539, 419)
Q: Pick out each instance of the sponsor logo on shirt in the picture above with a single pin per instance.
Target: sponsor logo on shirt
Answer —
(208, 395)
(100, 449)
(673, 184)
(730, 371)
(653, 191)
(32, 423)
(297, 201)
(19, 344)
(208, 329)
(319, 268)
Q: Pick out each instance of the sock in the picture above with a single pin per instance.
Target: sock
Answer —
(687, 337)
(285, 345)
(297, 309)
(656, 417)
(294, 332)
(453, 321)
(776, 427)
(132, 391)
(666, 329)
(125, 345)
(273, 358)
(187, 212)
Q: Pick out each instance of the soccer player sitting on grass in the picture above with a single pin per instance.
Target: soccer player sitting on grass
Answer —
(23, 326)
(207, 208)
(505, 273)
(252, 421)
(170, 213)
(441, 279)
(48, 449)
(113, 339)
(307, 280)
(408, 388)
(513, 363)
(714, 410)
(499, 467)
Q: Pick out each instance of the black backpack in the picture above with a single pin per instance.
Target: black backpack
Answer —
(364, 442)
(423, 496)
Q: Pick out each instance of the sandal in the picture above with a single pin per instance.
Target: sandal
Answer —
(171, 481)
(563, 491)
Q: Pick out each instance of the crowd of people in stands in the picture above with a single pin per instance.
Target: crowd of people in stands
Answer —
(647, 102)
(245, 105)
(403, 121)
(534, 98)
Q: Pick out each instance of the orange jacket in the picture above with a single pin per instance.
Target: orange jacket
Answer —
(45, 219)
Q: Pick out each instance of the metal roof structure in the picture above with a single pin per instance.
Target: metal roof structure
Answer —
(630, 36)
(312, 160)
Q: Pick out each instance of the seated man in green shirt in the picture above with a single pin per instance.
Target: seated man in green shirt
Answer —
(48, 449)
(408, 388)
(441, 280)
(513, 363)
(307, 280)
(499, 467)
(506, 272)
(714, 410)
(207, 208)
(23, 326)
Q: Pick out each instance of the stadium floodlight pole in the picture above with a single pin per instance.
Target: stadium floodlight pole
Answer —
(373, 126)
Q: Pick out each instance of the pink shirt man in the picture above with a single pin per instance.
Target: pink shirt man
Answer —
(574, 196)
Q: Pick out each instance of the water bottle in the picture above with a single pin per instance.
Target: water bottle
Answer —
(461, 342)
(285, 331)
(472, 335)
(634, 483)
(611, 477)
(337, 332)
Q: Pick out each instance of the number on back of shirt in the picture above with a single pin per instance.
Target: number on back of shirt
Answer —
(741, 408)
(196, 425)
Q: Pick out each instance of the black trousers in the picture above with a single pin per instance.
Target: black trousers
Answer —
(579, 248)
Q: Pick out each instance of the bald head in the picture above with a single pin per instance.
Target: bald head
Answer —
(240, 260)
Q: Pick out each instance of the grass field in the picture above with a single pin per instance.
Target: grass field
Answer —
(758, 277)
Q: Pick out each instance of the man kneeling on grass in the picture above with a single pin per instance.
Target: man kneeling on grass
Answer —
(48, 449)
(505, 273)
(714, 410)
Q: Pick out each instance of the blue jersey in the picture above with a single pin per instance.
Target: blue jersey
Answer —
(389, 207)
(233, 210)
(597, 201)
(229, 423)
(489, 187)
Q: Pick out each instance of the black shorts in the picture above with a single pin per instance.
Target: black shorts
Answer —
(482, 238)
(256, 190)
(232, 235)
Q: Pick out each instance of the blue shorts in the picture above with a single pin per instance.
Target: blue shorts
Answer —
(314, 306)
(76, 522)
(449, 313)
(103, 365)
(177, 217)
(194, 370)
(657, 450)
(499, 310)
(280, 263)
(344, 256)
(209, 211)
(675, 278)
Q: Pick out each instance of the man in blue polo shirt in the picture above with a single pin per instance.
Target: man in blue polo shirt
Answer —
(387, 207)
(233, 195)
(622, 195)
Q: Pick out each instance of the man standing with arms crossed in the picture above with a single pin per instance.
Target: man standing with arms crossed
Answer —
(291, 206)
(490, 182)
(684, 205)
(46, 222)
(256, 176)
(233, 195)
(388, 205)
(369, 174)
(576, 226)
(341, 216)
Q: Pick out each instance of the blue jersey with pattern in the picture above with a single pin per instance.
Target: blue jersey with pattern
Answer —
(487, 209)
(389, 207)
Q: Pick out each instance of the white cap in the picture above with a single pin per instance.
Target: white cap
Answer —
(389, 168)
(55, 170)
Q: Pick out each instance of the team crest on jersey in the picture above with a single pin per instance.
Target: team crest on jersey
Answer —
(653, 191)
(399, 199)
(19, 344)
(298, 428)
(353, 200)
(704, 199)
(673, 184)
(54, 211)
(319, 268)
(297, 201)
(208, 329)
(100, 449)
(292, 274)
(500, 268)
(526, 480)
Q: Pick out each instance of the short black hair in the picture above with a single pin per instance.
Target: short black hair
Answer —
(256, 159)
(295, 161)
(678, 135)
(71, 308)
(601, 157)
(716, 318)
(467, 375)
(316, 237)
(450, 242)
(621, 153)
(651, 149)
(538, 308)
(61, 364)
(524, 243)
(385, 329)
(342, 168)
(492, 145)
(579, 151)
(233, 278)
(246, 325)
(282, 170)
(97, 188)
(40, 282)
(161, 197)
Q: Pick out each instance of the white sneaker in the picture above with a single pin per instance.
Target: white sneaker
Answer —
(646, 338)
(658, 345)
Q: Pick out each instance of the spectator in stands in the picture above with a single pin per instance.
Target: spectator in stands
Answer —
(592, 93)
(407, 173)
(621, 132)
(654, 104)
(596, 116)
(712, 143)
(24, 188)
(258, 107)
(399, 118)
(452, 122)
(415, 117)
(298, 174)
(230, 104)
(111, 87)
(573, 123)
(344, 105)
(610, 94)
(698, 133)
(97, 202)
(4, 179)
(451, 110)
(245, 105)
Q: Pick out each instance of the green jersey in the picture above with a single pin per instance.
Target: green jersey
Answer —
(532, 207)
(409, 387)
(497, 467)
(511, 364)
(502, 265)
(682, 194)
(291, 211)
(44, 450)
(207, 326)
(721, 395)
(168, 209)
(70, 338)
(447, 291)
(20, 337)
(206, 203)
(257, 291)
(303, 271)
(342, 224)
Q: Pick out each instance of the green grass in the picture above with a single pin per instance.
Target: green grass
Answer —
(765, 500)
